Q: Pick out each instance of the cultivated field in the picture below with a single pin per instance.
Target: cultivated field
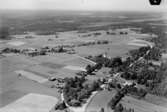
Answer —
(57, 65)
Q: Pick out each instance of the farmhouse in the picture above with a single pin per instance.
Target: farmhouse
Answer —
(156, 63)
(118, 80)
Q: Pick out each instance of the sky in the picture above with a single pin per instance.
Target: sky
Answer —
(109, 5)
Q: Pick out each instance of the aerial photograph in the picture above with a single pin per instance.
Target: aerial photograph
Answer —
(83, 56)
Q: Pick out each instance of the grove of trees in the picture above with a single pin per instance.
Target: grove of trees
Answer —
(120, 108)
(115, 100)
(76, 92)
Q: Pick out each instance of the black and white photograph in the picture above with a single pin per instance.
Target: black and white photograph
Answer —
(83, 55)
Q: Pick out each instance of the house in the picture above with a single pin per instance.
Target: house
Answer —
(30, 52)
(127, 83)
(116, 79)
(33, 53)
(104, 86)
(156, 63)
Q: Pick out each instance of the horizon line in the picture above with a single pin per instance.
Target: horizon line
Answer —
(77, 10)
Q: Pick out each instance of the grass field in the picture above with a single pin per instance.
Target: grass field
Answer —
(102, 98)
(31, 76)
(100, 101)
(16, 43)
(141, 106)
(156, 100)
(52, 65)
(31, 103)
(12, 87)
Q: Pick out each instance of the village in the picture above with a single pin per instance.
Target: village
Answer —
(107, 62)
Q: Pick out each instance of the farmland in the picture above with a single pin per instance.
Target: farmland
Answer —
(66, 44)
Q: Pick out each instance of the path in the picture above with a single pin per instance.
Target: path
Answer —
(85, 59)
